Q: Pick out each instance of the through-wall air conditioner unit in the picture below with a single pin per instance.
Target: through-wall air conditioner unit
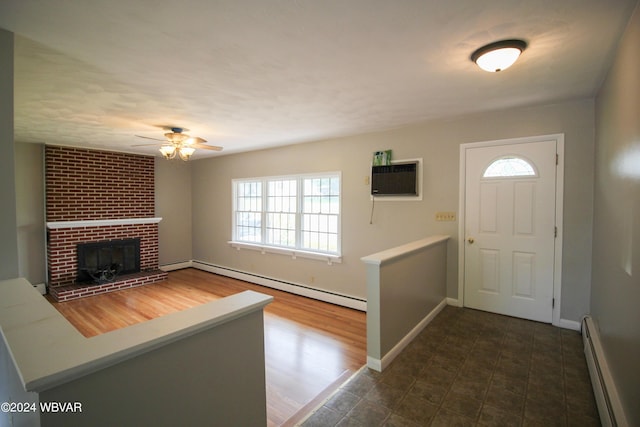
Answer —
(396, 179)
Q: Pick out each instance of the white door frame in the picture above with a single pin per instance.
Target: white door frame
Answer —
(557, 271)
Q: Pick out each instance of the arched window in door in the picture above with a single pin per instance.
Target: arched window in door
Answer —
(508, 167)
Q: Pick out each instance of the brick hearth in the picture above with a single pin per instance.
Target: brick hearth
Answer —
(74, 291)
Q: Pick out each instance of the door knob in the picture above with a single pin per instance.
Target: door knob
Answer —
(470, 240)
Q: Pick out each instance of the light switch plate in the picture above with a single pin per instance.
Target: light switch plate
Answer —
(445, 216)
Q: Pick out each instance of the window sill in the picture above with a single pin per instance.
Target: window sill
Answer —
(293, 253)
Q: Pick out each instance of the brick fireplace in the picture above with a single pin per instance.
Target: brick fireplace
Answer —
(98, 196)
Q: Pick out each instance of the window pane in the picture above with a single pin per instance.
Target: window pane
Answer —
(320, 207)
(320, 232)
(282, 196)
(281, 229)
(509, 167)
(333, 224)
(333, 243)
(324, 223)
(281, 212)
(248, 207)
(335, 186)
(248, 227)
(334, 205)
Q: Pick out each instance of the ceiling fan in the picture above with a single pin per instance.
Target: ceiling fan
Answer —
(178, 143)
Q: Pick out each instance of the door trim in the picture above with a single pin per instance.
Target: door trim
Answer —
(557, 270)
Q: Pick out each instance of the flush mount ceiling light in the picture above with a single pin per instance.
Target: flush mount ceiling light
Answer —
(499, 55)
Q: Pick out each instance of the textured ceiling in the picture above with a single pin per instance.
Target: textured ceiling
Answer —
(249, 74)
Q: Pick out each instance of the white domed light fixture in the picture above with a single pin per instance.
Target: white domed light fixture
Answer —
(499, 55)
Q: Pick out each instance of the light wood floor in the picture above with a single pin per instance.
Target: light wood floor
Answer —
(310, 346)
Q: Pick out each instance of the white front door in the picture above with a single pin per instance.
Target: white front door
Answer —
(509, 229)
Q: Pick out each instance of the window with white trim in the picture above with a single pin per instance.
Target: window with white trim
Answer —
(300, 213)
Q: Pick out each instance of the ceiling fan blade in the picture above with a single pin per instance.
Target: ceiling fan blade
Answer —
(192, 140)
(147, 145)
(207, 147)
(155, 139)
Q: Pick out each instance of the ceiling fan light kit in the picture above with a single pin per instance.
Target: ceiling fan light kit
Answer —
(180, 144)
(499, 55)
(186, 152)
(168, 151)
(183, 151)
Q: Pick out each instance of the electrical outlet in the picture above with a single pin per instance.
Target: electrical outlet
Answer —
(445, 216)
(366, 180)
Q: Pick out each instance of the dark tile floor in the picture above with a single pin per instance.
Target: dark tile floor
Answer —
(472, 368)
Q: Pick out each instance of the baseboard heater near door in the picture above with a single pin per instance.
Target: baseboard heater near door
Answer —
(604, 390)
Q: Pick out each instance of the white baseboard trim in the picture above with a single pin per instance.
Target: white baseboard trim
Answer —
(569, 324)
(41, 287)
(375, 364)
(454, 302)
(293, 288)
(380, 365)
(176, 266)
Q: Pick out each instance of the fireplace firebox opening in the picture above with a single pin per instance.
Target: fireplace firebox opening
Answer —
(101, 262)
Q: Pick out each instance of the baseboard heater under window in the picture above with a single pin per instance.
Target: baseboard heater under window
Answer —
(604, 390)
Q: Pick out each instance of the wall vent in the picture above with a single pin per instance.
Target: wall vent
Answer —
(396, 179)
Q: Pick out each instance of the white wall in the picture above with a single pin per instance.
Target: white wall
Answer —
(615, 296)
(8, 233)
(173, 204)
(29, 163)
(395, 223)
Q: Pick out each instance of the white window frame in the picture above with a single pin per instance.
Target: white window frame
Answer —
(297, 251)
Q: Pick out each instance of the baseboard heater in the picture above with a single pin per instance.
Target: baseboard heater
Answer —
(604, 390)
(294, 288)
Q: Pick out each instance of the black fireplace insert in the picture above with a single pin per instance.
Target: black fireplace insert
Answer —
(102, 262)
